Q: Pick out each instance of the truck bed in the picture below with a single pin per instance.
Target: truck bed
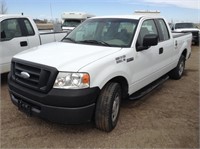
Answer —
(47, 37)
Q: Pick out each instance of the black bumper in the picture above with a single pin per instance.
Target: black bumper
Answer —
(58, 105)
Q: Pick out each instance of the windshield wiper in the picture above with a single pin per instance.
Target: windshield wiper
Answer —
(70, 39)
(99, 42)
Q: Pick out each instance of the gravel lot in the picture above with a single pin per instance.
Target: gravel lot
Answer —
(166, 118)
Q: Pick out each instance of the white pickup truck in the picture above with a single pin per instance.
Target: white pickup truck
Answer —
(186, 27)
(100, 63)
(19, 33)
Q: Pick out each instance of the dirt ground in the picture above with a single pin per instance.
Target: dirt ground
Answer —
(166, 118)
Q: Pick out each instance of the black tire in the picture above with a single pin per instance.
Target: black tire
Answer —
(108, 107)
(177, 72)
(197, 43)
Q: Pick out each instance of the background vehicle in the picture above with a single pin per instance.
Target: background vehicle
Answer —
(19, 33)
(72, 19)
(188, 27)
(101, 62)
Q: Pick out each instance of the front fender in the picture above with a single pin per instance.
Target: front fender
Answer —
(103, 71)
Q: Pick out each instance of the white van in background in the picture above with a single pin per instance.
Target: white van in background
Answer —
(72, 19)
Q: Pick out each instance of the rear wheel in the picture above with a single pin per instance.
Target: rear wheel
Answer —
(108, 107)
(197, 43)
(177, 72)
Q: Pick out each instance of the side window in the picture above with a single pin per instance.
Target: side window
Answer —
(29, 27)
(164, 30)
(10, 29)
(148, 27)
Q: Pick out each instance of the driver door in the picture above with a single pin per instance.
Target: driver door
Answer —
(12, 42)
(145, 61)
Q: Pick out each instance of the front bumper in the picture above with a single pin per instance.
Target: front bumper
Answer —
(58, 105)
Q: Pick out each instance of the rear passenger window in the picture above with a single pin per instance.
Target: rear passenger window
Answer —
(10, 29)
(29, 27)
(164, 30)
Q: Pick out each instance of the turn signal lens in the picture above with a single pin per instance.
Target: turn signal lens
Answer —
(86, 79)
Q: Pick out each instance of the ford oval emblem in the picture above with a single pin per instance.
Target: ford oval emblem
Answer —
(25, 75)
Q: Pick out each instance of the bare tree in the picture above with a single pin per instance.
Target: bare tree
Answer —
(3, 7)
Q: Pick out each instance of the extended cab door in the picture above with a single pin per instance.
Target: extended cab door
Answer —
(165, 47)
(16, 37)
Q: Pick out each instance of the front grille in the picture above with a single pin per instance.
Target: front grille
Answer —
(40, 77)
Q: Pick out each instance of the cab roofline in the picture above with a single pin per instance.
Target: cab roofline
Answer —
(12, 16)
(133, 16)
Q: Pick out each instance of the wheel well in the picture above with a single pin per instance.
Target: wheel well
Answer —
(124, 85)
(184, 53)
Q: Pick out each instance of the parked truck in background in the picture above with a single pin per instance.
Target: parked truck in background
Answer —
(19, 33)
(188, 27)
(72, 19)
(100, 63)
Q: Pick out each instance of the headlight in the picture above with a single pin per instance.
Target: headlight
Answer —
(72, 80)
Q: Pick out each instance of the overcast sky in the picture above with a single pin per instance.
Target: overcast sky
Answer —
(176, 10)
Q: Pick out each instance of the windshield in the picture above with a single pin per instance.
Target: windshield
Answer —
(184, 25)
(71, 23)
(104, 32)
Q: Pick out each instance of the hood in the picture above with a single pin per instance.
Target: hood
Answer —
(187, 29)
(66, 56)
(67, 28)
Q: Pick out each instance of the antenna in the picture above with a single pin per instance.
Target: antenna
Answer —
(51, 12)
(52, 21)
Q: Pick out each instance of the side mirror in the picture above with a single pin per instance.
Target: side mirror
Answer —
(3, 35)
(150, 40)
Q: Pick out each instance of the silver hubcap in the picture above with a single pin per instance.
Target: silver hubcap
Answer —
(115, 107)
(181, 68)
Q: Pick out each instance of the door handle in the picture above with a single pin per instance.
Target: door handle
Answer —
(23, 43)
(161, 50)
(176, 43)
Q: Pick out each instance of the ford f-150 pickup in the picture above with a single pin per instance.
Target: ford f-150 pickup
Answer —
(186, 27)
(19, 33)
(100, 63)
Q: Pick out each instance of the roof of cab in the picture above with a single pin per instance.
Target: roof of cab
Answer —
(133, 16)
(11, 16)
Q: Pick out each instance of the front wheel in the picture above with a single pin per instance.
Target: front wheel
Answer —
(177, 72)
(108, 107)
